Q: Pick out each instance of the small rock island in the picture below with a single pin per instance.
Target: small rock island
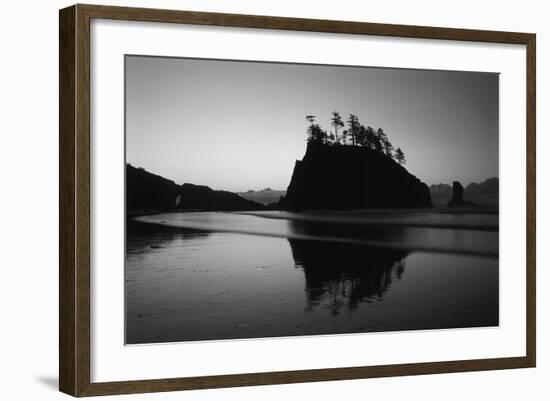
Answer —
(458, 197)
(357, 169)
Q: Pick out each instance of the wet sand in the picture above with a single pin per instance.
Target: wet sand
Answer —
(193, 277)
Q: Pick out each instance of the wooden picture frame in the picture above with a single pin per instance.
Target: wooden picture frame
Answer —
(74, 203)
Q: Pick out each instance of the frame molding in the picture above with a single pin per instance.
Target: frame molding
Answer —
(74, 199)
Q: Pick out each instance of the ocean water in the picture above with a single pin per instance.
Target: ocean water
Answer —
(212, 276)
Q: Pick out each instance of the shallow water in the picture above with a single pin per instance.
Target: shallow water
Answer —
(202, 276)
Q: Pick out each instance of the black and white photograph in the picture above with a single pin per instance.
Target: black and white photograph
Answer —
(242, 200)
(268, 199)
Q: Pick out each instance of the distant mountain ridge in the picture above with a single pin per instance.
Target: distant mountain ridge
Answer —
(343, 177)
(265, 196)
(148, 192)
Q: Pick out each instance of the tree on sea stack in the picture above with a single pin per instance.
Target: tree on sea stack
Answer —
(356, 133)
(400, 156)
(378, 141)
(353, 124)
(362, 138)
(344, 137)
(337, 122)
(385, 141)
(317, 134)
(314, 132)
(371, 138)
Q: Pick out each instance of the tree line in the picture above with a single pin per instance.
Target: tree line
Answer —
(356, 134)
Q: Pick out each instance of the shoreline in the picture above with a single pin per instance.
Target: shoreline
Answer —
(414, 218)
(341, 230)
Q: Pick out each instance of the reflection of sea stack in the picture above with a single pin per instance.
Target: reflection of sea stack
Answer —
(352, 177)
(458, 196)
(341, 275)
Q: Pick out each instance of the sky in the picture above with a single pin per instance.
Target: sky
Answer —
(240, 125)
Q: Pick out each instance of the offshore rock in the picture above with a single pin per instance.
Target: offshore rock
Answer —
(351, 177)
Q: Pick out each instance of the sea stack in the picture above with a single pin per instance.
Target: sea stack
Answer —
(351, 177)
(458, 196)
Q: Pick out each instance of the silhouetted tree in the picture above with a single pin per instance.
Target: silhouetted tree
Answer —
(362, 136)
(400, 156)
(374, 140)
(388, 149)
(382, 137)
(314, 131)
(371, 138)
(337, 122)
(387, 146)
(344, 137)
(316, 134)
(353, 124)
(356, 133)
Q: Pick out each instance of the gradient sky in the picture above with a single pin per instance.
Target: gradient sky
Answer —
(238, 125)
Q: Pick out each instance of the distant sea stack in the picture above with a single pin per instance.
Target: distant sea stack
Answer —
(458, 196)
(148, 193)
(484, 193)
(351, 177)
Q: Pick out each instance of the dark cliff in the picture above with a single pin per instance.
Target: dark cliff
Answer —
(352, 177)
(148, 192)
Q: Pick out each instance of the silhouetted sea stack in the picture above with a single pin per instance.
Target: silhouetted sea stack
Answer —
(484, 193)
(352, 177)
(458, 196)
